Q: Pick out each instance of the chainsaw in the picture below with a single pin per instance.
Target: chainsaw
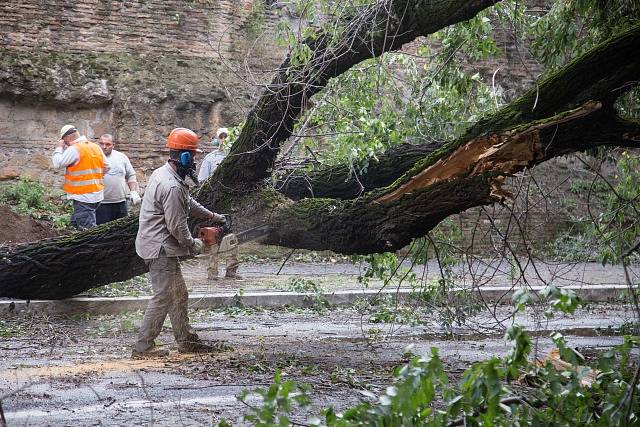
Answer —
(222, 236)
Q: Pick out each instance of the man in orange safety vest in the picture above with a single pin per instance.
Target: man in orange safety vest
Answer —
(85, 165)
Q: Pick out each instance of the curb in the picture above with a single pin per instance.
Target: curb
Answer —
(117, 305)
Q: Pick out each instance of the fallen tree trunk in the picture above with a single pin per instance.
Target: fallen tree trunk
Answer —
(62, 267)
(439, 182)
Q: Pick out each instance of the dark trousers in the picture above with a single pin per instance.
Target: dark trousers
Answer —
(110, 211)
(84, 215)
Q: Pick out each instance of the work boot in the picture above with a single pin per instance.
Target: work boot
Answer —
(204, 347)
(153, 352)
(232, 273)
(212, 274)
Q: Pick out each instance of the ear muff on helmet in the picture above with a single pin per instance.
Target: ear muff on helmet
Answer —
(185, 159)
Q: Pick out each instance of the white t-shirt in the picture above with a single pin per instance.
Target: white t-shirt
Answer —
(115, 181)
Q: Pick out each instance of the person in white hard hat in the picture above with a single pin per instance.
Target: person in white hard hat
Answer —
(209, 165)
(215, 157)
(85, 165)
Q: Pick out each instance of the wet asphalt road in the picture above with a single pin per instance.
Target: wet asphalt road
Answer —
(71, 376)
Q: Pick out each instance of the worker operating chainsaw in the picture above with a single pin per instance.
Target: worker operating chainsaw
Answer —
(163, 236)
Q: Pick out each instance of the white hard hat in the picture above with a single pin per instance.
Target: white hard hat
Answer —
(221, 131)
(66, 130)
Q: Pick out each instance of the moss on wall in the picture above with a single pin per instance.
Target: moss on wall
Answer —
(95, 79)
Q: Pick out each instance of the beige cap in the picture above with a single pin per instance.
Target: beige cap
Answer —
(65, 129)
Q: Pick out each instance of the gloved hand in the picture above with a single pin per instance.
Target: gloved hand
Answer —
(219, 218)
(135, 198)
(198, 246)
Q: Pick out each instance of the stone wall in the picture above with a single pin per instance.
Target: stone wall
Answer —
(180, 27)
(26, 138)
(135, 69)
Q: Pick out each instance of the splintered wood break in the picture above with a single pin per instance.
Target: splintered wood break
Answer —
(507, 153)
(484, 154)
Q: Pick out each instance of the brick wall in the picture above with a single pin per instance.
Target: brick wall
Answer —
(186, 28)
(135, 69)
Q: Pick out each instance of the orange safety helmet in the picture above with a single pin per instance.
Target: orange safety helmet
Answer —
(183, 139)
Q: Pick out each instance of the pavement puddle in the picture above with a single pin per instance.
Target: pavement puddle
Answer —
(462, 334)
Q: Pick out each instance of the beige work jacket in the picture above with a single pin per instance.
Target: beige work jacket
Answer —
(166, 206)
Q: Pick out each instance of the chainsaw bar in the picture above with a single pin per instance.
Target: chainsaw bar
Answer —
(253, 233)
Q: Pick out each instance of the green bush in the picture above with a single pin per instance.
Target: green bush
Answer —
(315, 299)
(26, 194)
(29, 197)
(61, 221)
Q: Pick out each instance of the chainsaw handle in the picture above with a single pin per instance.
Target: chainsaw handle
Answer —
(228, 223)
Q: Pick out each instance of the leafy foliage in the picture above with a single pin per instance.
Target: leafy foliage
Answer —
(316, 298)
(27, 194)
(276, 402)
(425, 101)
(255, 19)
(570, 28)
(32, 198)
(618, 225)
(422, 394)
(439, 299)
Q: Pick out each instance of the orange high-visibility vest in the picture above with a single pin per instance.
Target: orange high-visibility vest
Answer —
(86, 175)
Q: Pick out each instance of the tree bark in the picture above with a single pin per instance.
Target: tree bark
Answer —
(436, 183)
(61, 267)
(339, 182)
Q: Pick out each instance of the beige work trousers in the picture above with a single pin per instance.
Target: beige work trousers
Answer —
(170, 296)
(231, 262)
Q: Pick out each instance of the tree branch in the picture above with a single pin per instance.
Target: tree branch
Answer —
(471, 176)
(383, 27)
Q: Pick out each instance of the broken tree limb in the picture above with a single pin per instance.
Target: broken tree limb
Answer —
(384, 221)
(506, 153)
